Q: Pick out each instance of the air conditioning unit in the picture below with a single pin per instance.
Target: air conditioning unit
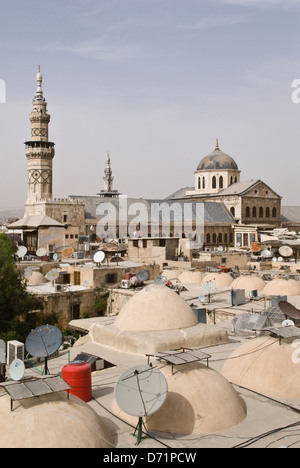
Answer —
(59, 288)
(15, 350)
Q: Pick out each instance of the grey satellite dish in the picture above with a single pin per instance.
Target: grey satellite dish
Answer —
(28, 273)
(17, 369)
(141, 391)
(52, 275)
(41, 252)
(55, 256)
(98, 256)
(43, 342)
(22, 251)
(143, 276)
(162, 280)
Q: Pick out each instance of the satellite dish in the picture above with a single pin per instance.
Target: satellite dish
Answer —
(98, 256)
(274, 259)
(288, 323)
(141, 390)
(266, 253)
(22, 251)
(238, 244)
(67, 252)
(28, 272)
(220, 248)
(85, 284)
(52, 275)
(289, 310)
(55, 256)
(255, 247)
(285, 251)
(202, 298)
(143, 275)
(17, 369)
(162, 280)
(41, 252)
(280, 259)
(43, 342)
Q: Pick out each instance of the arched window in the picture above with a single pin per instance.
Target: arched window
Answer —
(226, 238)
(274, 213)
(220, 238)
(247, 211)
(235, 179)
(232, 211)
(199, 183)
(221, 182)
(214, 182)
(203, 183)
(214, 238)
(208, 239)
(267, 212)
(231, 180)
(254, 213)
(261, 212)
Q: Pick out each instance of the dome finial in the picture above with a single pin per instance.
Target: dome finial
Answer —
(217, 144)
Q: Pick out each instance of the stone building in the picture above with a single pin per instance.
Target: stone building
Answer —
(217, 178)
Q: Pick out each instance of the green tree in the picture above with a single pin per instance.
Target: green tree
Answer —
(15, 301)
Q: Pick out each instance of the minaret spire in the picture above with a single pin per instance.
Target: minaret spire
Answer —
(39, 92)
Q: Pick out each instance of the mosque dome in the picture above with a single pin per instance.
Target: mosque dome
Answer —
(155, 308)
(217, 160)
(52, 421)
(200, 401)
(281, 286)
(265, 366)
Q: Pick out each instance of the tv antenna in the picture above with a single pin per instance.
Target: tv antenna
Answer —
(141, 391)
(43, 342)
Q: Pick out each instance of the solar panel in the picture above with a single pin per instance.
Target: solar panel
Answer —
(84, 357)
(179, 357)
(286, 332)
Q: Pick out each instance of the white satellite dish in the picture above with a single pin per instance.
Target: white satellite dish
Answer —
(55, 257)
(85, 284)
(280, 259)
(98, 256)
(274, 259)
(17, 369)
(52, 275)
(285, 251)
(220, 248)
(288, 323)
(22, 251)
(202, 298)
(161, 280)
(266, 253)
(41, 252)
(28, 273)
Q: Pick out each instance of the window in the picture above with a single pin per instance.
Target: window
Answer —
(267, 212)
(220, 238)
(261, 212)
(65, 218)
(67, 236)
(208, 239)
(254, 212)
(274, 213)
(247, 212)
(135, 243)
(221, 182)
(214, 182)
(111, 278)
(144, 243)
(245, 239)
(162, 243)
(214, 238)
(232, 211)
(77, 278)
(225, 238)
(199, 183)
(203, 182)
(75, 311)
(231, 180)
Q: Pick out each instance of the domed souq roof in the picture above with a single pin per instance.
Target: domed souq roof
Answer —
(217, 160)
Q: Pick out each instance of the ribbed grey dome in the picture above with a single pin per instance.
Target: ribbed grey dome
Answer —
(217, 160)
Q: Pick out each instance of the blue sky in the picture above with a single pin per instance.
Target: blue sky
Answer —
(154, 82)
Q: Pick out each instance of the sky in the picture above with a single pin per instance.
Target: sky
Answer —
(154, 82)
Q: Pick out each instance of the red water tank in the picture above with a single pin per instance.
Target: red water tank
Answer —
(78, 375)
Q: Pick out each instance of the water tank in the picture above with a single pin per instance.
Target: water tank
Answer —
(78, 375)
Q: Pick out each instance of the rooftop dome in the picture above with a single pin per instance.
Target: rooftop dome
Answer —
(52, 421)
(191, 277)
(281, 286)
(155, 308)
(37, 278)
(265, 366)
(217, 160)
(249, 283)
(200, 401)
(222, 280)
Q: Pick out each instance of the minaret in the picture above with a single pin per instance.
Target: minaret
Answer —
(108, 178)
(39, 151)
